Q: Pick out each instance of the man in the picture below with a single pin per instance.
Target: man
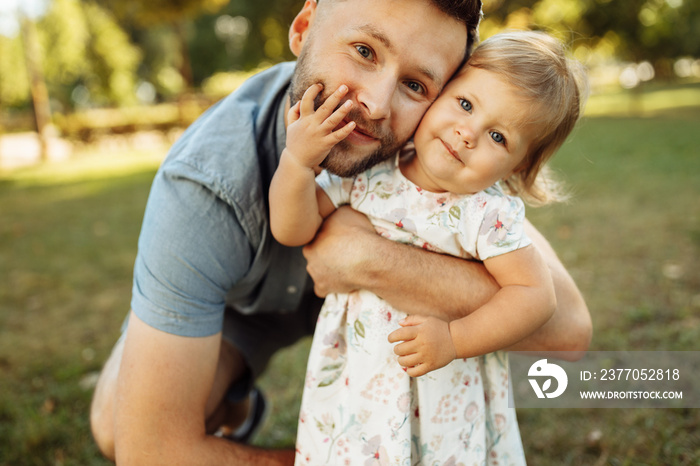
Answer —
(183, 362)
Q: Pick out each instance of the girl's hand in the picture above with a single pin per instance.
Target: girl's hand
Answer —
(311, 134)
(427, 344)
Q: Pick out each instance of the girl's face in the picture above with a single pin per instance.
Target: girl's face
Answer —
(477, 132)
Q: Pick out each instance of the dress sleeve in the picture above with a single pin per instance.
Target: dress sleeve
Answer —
(338, 189)
(502, 226)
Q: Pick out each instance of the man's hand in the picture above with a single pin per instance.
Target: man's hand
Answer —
(339, 250)
(427, 344)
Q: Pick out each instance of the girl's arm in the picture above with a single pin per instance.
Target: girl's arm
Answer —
(297, 205)
(525, 301)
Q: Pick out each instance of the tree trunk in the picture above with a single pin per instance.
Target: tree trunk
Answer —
(40, 96)
(185, 62)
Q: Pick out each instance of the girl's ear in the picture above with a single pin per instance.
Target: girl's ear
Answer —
(300, 26)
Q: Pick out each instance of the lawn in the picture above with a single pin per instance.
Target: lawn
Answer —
(630, 237)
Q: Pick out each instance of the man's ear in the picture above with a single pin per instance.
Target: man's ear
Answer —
(300, 26)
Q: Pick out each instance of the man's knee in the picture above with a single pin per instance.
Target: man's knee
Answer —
(102, 427)
(102, 406)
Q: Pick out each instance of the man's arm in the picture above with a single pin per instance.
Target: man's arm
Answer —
(347, 255)
(570, 328)
(163, 387)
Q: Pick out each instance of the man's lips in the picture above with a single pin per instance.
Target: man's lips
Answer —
(452, 152)
(358, 135)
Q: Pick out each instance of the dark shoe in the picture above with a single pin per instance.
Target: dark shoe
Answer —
(256, 417)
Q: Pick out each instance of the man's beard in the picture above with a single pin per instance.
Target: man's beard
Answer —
(343, 160)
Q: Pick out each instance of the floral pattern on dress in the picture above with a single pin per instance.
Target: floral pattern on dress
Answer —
(359, 407)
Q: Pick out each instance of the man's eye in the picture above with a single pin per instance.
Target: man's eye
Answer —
(466, 105)
(364, 51)
(415, 87)
(497, 137)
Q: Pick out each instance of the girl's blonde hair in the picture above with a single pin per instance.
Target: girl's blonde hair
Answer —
(538, 66)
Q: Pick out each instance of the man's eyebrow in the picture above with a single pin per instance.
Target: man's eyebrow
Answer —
(377, 34)
(381, 37)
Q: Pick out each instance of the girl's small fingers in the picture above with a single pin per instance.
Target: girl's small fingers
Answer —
(404, 349)
(307, 100)
(417, 371)
(413, 319)
(344, 132)
(333, 100)
(409, 360)
(337, 116)
(400, 334)
(293, 113)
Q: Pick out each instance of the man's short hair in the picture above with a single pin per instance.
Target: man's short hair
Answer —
(465, 11)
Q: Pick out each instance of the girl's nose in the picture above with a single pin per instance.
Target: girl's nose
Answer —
(466, 135)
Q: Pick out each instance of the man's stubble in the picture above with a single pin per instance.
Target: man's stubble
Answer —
(344, 159)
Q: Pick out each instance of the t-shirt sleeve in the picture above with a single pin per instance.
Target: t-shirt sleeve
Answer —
(337, 188)
(192, 249)
(502, 228)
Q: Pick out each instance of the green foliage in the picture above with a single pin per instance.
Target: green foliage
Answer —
(242, 36)
(81, 45)
(153, 12)
(112, 58)
(654, 30)
(65, 34)
(97, 51)
(14, 80)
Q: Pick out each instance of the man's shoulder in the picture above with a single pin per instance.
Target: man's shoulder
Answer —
(264, 84)
(241, 113)
(226, 145)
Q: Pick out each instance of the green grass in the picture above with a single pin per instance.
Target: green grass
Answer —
(630, 237)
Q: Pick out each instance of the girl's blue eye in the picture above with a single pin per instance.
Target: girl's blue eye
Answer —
(497, 137)
(364, 51)
(466, 105)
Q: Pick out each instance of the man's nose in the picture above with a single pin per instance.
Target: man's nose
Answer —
(376, 96)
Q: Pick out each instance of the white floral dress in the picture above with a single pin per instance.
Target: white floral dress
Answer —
(359, 407)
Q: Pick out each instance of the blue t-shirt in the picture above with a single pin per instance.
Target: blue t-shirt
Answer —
(205, 240)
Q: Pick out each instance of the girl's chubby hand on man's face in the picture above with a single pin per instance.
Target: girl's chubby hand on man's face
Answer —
(312, 133)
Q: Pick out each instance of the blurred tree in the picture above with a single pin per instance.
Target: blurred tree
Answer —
(85, 62)
(37, 85)
(658, 31)
(89, 58)
(175, 13)
(14, 80)
(244, 36)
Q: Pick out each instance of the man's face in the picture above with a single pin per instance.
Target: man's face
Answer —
(394, 55)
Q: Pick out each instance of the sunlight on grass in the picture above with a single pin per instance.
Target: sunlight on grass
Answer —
(87, 165)
(647, 102)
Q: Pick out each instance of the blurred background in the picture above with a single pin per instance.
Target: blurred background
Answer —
(93, 92)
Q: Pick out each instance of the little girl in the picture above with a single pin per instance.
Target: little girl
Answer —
(439, 396)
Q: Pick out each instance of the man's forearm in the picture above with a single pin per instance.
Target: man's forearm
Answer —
(421, 282)
(348, 255)
(570, 329)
